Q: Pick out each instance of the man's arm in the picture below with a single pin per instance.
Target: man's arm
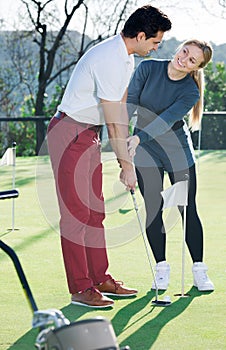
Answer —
(116, 119)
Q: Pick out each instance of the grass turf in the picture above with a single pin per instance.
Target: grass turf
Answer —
(196, 322)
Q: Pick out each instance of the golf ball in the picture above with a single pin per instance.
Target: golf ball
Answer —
(167, 298)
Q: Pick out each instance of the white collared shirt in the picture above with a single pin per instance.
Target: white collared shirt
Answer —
(103, 72)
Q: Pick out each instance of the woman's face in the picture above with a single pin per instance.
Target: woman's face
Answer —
(188, 58)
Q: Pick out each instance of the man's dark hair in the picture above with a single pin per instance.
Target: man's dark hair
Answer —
(147, 19)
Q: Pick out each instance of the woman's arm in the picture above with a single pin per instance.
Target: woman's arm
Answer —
(169, 117)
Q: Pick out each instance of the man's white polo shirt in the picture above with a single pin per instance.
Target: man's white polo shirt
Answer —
(103, 72)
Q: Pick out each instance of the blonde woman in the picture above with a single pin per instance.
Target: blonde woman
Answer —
(163, 92)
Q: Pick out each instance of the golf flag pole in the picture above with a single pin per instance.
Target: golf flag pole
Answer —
(199, 143)
(177, 195)
(183, 251)
(13, 183)
(184, 234)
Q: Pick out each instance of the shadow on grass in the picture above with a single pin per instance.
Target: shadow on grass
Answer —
(145, 336)
(26, 243)
(24, 181)
(26, 342)
(20, 181)
(216, 155)
(73, 313)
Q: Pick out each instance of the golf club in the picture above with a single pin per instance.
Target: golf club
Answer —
(8, 250)
(55, 330)
(155, 302)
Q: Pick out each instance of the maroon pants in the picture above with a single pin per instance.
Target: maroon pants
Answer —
(75, 156)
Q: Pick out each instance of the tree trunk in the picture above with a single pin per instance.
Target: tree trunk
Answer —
(39, 111)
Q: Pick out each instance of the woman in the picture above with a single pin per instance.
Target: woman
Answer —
(163, 92)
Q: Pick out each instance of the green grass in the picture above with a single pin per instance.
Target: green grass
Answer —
(197, 322)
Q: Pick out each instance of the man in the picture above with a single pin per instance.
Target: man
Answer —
(93, 97)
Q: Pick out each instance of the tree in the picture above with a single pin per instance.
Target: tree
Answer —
(222, 3)
(51, 44)
(215, 89)
(42, 57)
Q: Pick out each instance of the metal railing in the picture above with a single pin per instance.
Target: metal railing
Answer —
(213, 133)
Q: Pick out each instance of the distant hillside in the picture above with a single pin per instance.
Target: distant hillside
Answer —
(166, 49)
(219, 53)
(25, 57)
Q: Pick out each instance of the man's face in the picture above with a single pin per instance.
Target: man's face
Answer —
(145, 46)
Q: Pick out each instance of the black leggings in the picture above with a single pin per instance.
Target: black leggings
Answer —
(150, 181)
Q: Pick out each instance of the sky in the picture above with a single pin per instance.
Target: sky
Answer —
(189, 18)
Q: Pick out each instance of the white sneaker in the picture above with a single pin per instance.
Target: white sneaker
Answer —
(201, 280)
(162, 275)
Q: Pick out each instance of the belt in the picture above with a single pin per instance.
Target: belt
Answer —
(62, 115)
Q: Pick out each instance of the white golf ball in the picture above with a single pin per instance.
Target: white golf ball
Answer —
(167, 298)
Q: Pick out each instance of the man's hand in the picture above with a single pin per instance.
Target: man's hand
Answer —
(133, 142)
(128, 178)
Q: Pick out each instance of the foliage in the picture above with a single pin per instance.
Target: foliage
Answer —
(8, 86)
(24, 135)
(27, 109)
(53, 101)
(213, 126)
(213, 132)
(215, 89)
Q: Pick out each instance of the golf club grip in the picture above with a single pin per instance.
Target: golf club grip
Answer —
(9, 194)
(132, 192)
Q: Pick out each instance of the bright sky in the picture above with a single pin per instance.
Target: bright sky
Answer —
(189, 18)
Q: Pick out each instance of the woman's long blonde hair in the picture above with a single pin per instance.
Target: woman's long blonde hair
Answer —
(196, 112)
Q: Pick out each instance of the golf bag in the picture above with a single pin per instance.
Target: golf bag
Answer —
(55, 330)
(91, 334)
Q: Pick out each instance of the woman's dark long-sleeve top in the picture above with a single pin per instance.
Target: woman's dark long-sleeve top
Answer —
(161, 105)
(170, 100)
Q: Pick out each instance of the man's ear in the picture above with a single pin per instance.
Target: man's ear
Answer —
(141, 36)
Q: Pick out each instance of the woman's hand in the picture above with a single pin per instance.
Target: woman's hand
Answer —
(133, 142)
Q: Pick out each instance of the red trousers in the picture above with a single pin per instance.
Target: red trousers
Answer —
(76, 161)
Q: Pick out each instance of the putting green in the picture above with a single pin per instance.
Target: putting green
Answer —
(196, 322)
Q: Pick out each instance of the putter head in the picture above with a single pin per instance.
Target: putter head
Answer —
(49, 318)
(162, 303)
(47, 321)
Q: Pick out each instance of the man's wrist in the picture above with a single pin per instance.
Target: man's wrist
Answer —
(125, 165)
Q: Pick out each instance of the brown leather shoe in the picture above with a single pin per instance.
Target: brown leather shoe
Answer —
(112, 287)
(91, 297)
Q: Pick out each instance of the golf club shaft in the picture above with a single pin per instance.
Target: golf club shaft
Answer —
(186, 178)
(20, 273)
(145, 241)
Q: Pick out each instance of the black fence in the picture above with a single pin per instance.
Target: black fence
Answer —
(213, 133)
(212, 136)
